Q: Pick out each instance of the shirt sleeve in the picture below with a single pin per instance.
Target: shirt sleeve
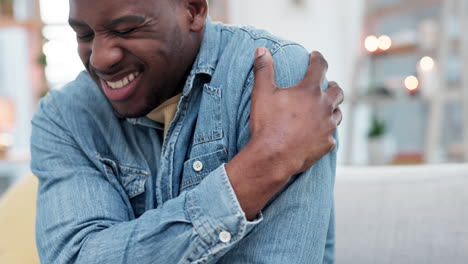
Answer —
(296, 221)
(81, 218)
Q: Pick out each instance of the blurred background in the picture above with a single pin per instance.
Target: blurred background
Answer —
(402, 64)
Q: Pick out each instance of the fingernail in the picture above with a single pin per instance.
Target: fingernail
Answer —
(260, 52)
(316, 53)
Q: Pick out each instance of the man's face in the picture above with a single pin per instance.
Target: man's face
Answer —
(138, 52)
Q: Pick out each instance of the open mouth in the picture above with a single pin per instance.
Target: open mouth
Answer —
(124, 81)
(121, 89)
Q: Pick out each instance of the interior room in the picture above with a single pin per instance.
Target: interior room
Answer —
(402, 166)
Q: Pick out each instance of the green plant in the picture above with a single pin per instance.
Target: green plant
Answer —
(377, 128)
(42, 60)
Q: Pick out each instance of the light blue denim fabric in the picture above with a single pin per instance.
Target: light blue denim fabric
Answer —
(111, 191)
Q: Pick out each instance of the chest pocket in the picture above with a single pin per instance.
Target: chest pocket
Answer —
(196, 169)
(130, 182)
(208, 149)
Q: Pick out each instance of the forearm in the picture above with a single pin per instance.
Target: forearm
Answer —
(256, 176)
(81, 228)
(296, 221)
(152, 238)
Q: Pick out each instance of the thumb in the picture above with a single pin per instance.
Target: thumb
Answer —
(264, 71)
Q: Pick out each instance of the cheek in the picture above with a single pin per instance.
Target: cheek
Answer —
(84, 51)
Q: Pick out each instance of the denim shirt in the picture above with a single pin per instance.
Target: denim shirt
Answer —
(112, 191)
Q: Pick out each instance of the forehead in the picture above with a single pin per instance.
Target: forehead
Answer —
(102, 9)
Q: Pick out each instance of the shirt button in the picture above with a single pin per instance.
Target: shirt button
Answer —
(197, 166)
(225, 236)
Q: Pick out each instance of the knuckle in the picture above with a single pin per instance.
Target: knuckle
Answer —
(331, 91)
(318, 58)
(316, 89)
(330, 108)
(334, 126)
(341, 92)
(338, 112)
(324, 63)
(336, 94)
(259, 66)
(340, 119)
(335, 89)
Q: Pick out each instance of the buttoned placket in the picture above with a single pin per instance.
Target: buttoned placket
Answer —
(165, 174)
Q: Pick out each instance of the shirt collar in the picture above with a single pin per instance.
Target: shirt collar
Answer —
(207, 57)
(205, 63)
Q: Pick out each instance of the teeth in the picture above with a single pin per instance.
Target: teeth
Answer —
(124, 81)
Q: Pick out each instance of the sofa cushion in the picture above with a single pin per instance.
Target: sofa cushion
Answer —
(17, 218)
(414, 214)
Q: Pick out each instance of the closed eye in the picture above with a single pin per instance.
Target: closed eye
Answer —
(85, 37)
(124, 32)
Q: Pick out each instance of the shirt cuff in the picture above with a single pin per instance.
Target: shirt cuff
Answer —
(216, 213)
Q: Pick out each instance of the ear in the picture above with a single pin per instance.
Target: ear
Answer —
(197, 11)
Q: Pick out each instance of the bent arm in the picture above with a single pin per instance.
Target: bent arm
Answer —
(296, 223)
(81, 218)
(298, 219)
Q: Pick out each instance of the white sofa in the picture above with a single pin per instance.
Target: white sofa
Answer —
(396, 215)
(404, 214)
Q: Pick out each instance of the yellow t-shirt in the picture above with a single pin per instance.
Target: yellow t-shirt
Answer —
(165, 112)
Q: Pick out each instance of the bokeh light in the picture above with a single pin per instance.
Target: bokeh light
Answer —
(385, 42)
(427, 63)
(371, 43)
(411, 83)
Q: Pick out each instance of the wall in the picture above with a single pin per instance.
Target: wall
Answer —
(332, 27)
(15, 82)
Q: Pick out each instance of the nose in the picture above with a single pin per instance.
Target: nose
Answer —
(105, 54)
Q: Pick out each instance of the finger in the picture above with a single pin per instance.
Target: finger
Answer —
(315, 75)
(264, 71)
(335, 93)
(337, 116)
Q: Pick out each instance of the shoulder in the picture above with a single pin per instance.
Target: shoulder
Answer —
(81, 92)
(249, 35)
(79, 104)
(291, 59)
(235, 76)
(80, 97)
